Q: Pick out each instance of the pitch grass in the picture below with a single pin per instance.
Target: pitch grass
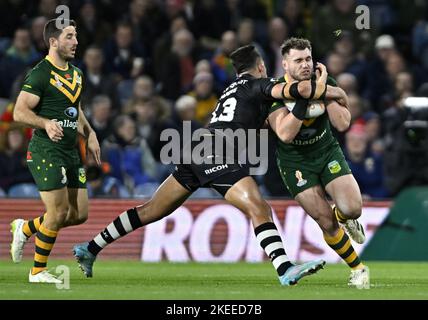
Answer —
(137, 280)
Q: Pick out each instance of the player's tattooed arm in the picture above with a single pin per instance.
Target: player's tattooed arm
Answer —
(85, 129)
(24, 113)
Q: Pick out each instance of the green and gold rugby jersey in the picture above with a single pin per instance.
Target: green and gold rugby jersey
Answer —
(59, 90)
(314, 136)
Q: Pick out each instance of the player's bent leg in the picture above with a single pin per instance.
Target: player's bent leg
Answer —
(56, 202)
(245, 196)
(313, 200)
(348, 205)
(169, 196)
(346, 194)
(78, 207)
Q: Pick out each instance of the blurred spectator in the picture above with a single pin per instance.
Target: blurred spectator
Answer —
(174, 8)
(395, 65)
(407, 13)
(101, 185)
(10, 15)
(131, 160)
(222, 66)
(357, 107)
(91, 29)
(204, 25)
(233, 13)
(144, 112)
(420, 42)
(37, 26)
(372, 128)
(96, 80)
(403, 85)
(354, 64)
(246, 35)
(148, 22)
(13, 164)
(292, 14)
(277, 34)
(125, 56)
(22, 51)
(204, 95)
(185, 110)
(335, 64)
(20, 55)
(377, 82)
(366, 167)
(348, 82)
(336, 14)
(164, 43)
(143, 90)
(151, 119)
(203, 66)
(179, 66)
(100, 117)
(47, 8)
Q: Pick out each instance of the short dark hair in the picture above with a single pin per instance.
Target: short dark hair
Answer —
(295, 43)
(244, 58)
(51, 30)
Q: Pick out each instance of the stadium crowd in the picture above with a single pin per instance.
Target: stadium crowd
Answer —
(150, 64)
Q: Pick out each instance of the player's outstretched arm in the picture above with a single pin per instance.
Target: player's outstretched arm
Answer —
(85, 129)
(23, 112)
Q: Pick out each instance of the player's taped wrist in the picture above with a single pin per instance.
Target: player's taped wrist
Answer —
(318, 90)
(291, 91)
(299, 110)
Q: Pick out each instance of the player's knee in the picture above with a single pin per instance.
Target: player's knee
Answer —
(259, 208)
(61, 215)
(81, 219)
(352, 210)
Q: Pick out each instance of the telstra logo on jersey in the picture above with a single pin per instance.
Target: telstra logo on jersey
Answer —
(71, 112)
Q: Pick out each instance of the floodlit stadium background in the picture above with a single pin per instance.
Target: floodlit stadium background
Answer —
(141, 57)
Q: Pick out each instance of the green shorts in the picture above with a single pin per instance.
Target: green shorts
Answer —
(314, 170)
(55, 167)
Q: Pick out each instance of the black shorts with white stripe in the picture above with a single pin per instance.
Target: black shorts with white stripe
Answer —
(219, 177)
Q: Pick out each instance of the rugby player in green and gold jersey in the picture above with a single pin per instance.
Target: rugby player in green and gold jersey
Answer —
(312, 164)
(50, 102)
